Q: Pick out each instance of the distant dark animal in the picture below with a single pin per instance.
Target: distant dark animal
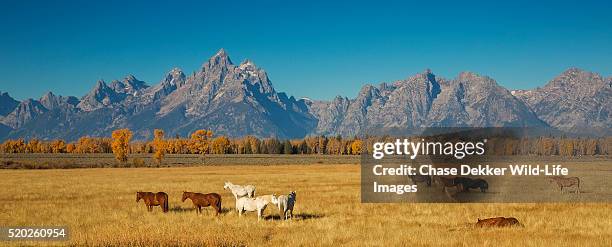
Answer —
(153, 199)
(203, 200)
(285, 204)
(566, 182)
(468, 183)
(498, 222)
(420, 179)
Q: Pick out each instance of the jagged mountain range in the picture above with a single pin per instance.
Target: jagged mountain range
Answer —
(239, 99)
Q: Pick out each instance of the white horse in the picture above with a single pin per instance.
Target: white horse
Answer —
(285, 204)
(239, 190)
(258, 204)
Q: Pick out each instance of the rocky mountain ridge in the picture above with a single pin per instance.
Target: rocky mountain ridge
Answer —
(239, 100)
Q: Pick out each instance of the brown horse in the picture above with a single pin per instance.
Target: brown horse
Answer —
(204, 200)
(498, 222)
(153, 199)
(564, 182)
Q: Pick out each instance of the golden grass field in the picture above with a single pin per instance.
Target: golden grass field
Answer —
(98, 205)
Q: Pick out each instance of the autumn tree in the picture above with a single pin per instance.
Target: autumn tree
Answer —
(220, 145)
(70, 148)
(312, 143)
(34, 146)
(120, 144)
(159, 145)
(254, 145)
(15, 146)
(356, 147)
(199, 141)
(58, 146)
(321, 148)
(87, 144)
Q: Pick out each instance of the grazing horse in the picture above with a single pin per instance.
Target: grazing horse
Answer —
(240, 191)
(566, 182)
(285, 204)
(258, 204)
(498, 222)
(153, 199)
(421, 178)
(203, 200)
(468, 183)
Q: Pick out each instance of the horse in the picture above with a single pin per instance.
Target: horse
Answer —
(258, 204)
(566, 182)
(421, 178)
(498, 222)
(153, 199)
(285, 204)
(240, 191)
(203, 200)
(468, 183)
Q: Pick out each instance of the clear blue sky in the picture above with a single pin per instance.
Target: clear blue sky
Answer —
(317, 49)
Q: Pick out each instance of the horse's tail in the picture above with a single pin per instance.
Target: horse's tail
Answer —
(165, 207)
(219, 205)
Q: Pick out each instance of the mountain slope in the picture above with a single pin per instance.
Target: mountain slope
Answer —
(478, 101)
(7, 104)
(423, 101)
(232, 100)
(235, 101)
(576, 101)
(24, 112)
(239, 99)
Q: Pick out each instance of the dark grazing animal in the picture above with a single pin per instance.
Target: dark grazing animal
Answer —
(285, 204)
(420, 179)
(566, 182)
(204, 200)
(498, 222)
(468, 183)
(153, 199)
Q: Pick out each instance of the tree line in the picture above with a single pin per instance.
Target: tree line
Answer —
(205, 142)
(199, 142)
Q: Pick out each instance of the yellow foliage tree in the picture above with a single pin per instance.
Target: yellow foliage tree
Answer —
(356, 147)
(199, 141)
(70, 148)
(159, 145)
(220, 145)
(34, 146)
(87, 144)
(58, 146)
(120, 144)
(15, 146)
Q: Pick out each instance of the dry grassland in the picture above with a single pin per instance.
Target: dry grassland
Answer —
(99, 207)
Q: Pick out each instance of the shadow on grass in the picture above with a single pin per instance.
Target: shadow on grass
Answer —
(300, 216)
(225, 211)
(576, 192)
(179, 209)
